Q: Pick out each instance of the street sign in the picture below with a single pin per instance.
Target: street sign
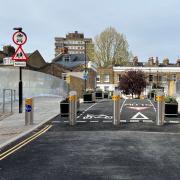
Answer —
(19, 38)
(85, 77)
(20, 63)
(28, 108)
(8, 61)
(19, 55)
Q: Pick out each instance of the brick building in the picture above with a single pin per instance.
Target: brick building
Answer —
(76, 43)
(163, 75)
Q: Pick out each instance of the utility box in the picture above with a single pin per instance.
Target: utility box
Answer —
(29, 111)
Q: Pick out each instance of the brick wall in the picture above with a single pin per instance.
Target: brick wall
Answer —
(76, 84)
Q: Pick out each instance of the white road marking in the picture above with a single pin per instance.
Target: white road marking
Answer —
(138, 108)
(139, 114)
(86, 110)
(123, 120)
(134, 121)
(122, 105)
(107, 121)
(152, 105)
(148, 121)
(173, 122)
(94, 121)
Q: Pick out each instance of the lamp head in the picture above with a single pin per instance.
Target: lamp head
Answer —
(18, 28)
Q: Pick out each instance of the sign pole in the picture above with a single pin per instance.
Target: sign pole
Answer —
(20, 91)
(20, 38)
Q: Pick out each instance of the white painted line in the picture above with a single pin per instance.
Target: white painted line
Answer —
(86, 110)
(66, 121)
(152, 105)
(148, 121)
(94, 121)
(123, 120)
(134, 121)
(81, 121)
(173, 122)
(122, 105)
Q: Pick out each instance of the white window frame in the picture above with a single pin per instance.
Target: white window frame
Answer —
(105, 77)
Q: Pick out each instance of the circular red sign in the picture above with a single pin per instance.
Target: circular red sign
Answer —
(19, 38)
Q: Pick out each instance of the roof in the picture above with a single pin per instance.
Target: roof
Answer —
(74, 60)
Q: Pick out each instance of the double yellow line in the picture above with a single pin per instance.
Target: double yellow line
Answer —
(23, 143)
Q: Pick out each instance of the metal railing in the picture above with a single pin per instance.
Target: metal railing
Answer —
(12, 96)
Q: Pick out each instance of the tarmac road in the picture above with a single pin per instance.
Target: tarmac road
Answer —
(95, 149)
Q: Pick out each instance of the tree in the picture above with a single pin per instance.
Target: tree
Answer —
(132, 82)
(111, 48)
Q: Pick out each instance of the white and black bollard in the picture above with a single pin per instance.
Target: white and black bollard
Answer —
(72, 107)
(160, 108)
(29, 111)
(116, 98)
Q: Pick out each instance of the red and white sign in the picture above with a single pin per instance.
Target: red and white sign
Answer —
(19, 55)
(19, 38)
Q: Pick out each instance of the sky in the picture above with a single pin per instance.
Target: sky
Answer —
(152, 28)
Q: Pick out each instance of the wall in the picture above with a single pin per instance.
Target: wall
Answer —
(76, 84)
(34, 83)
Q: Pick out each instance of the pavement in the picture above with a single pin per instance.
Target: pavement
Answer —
(12, 126)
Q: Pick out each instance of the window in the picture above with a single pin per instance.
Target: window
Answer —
(106, 78)
(64, 76)
(150, 78)
(98, 78)
(119, 78)
(106, 88)
(67, 58)
(174, 77)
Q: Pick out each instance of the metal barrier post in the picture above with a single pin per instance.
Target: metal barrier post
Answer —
(160, 108)
(116, 98)
(29, 111)
(72, 107)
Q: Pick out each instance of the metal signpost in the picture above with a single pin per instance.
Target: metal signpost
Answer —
(160, 108)
(72, 107)
(20, 38)
(29, 111)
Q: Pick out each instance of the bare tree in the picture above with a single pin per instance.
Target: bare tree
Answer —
(111, 48)
(132, 82)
